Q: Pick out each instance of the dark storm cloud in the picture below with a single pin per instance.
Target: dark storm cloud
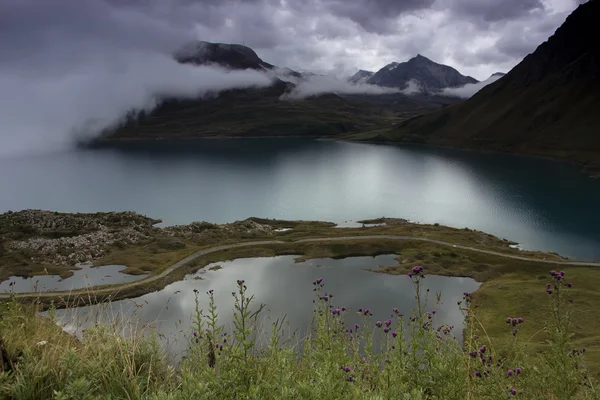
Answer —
(492, 10)
(68, 62)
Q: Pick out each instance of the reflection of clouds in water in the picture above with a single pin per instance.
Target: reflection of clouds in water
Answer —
(87, 276)
(285, 288)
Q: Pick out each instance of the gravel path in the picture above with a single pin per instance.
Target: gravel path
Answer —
(203, 252)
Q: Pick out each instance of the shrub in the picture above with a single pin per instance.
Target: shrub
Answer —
(402, 357)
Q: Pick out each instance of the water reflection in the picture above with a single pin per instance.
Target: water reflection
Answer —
(541, 204)
(285, 287)
(87, 276)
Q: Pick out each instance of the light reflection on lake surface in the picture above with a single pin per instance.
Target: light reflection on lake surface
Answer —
(87, 276)
(285, 287)
(541, 204)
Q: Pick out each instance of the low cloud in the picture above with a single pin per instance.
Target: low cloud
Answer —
(464, 92)
(316, 85)
(39, 114)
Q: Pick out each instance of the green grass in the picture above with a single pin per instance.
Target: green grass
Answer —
(415, 359)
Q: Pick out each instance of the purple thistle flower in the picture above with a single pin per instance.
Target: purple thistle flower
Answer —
(360, 310)
(367, 311)
(569, 284)
(344, 309)
(217, 345)
(394, 333)
(240, 282)
(478, 374)
(548, 285)
(513, 391)
(562, 273)
(508, 320)
(395, 310)
(356, 327)
(388, 322)
(347, 369)
(386, 329)
(378, 324)
(518, 370)
(433, 312)
(549, 291)
(482, 349)
(195, 333)
(510, 372)
(195, 290)
(410, 275)
(553, 272)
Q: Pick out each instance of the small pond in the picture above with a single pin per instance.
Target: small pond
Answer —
(87, 276)
(285, 287)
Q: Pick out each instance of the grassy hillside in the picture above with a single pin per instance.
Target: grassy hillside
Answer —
(547, 105)
(410, 357)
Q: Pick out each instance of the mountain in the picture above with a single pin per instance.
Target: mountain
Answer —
(429, 76)
(547, 105)
(233, 56)
(497, 74)
(261, 111)
(361, 76)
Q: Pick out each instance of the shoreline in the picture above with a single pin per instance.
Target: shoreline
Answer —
(592, 171)
(111, 292)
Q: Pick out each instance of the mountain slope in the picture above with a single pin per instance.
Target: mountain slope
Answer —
(361, 76)
(431, 76)
(547, 105)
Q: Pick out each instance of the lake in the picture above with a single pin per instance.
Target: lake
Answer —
(87, 276)
(285, 287)
(541, 204)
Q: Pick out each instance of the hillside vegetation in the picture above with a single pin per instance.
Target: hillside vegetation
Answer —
(404, 357)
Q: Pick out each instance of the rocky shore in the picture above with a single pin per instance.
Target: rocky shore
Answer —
(52, 238)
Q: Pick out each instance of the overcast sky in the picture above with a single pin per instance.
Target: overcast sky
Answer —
(478, 37)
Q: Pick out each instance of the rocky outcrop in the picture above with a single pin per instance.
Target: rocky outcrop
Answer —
(52, 238)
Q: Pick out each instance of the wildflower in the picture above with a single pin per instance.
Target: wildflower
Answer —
(518, 370)
(325, 298)
(360, 310)
(569, 284)
(356, 327)
(350, 378)
(473, 354)
(553, 272)
(347, 369)
(240, 282)
(388, 322)
(367, 311)
(510, 372)
(394, 333)
(319, 281)
(562, 273)
(548, 285)
(520, 320)
(478, 374)
(386, 329)
(210, 292)
(513, 391)
(433, 312)
(224, 340)
(343, 309)
(508, 320)
(378, 324)
(395, 310)
(410, 275)
(482, 349)
(217, 345)
(549, 291)
(195, 290)
(194, 333)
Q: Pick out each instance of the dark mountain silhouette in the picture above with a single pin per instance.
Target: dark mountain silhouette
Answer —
(547, 105)
(430, 76)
